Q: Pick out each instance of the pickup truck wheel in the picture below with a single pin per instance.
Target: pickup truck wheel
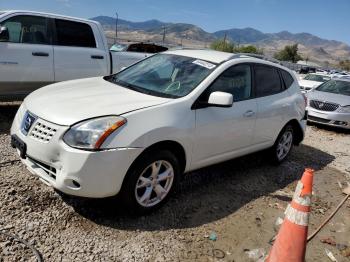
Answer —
(283, 145)
(150, 182)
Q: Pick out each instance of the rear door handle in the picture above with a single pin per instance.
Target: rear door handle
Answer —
(249, 113)
(97, 57)
(40, 54)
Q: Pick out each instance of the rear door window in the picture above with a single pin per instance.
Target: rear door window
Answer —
(267, 80)
(70, 33)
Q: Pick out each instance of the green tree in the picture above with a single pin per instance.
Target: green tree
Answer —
(345, 65)
(289, 53)
(222, 45)
(248, 49)
(226, 46)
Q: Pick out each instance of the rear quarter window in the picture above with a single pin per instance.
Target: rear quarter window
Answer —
(287, 78)
(267, 80)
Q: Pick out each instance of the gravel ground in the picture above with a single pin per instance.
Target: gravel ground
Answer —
(237, 201)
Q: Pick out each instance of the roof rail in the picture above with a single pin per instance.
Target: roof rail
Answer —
(262, 57)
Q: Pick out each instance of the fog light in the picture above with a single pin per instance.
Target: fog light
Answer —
(72, 184)
(75, 183)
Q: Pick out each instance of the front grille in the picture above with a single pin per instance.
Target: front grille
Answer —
(318, 119)
(323, 106)
(42, 132)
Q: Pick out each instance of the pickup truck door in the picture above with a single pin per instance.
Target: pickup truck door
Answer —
(26, 55)
(76, 51)
(223, 133)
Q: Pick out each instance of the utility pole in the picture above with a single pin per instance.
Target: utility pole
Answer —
(163, 34)
(116, 27)
(225, 40)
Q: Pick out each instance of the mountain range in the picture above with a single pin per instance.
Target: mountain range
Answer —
(311, 47)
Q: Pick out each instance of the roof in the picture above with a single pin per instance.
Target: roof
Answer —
(6, 12)
(207, 55)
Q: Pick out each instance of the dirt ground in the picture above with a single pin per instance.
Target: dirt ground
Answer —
(236, 202)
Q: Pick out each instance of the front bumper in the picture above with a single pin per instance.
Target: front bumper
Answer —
(73, 171)
(331, 118)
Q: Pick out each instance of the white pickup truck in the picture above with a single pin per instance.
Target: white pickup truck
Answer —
(37, 49)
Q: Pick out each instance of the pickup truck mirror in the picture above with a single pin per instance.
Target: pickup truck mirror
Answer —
(4, 34)
(220, 99)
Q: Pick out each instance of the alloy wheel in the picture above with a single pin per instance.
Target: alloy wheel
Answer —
(154, 183)
(284, 144)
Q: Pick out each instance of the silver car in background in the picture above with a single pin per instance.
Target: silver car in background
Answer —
(330, 103)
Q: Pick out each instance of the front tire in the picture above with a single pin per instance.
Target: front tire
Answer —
(150, 181)
(283, 145)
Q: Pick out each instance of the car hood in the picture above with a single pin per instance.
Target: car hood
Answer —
(66, 103)
(309, 83)
(329, 97)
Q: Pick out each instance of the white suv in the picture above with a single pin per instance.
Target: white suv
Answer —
(134, 133)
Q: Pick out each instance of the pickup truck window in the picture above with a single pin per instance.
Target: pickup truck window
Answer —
(27, 29)
(69, 33)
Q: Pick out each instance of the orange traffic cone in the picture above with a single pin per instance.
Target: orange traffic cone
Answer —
(290, 244)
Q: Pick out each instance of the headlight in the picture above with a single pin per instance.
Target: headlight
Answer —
(91, 134)
(344, 109)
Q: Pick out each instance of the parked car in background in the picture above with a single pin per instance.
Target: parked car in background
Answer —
(307, 70)
(329, 103)
(37, 49)
(311, 81)
(342, 77)
(339, 74)
(138, 47)
(135, 132)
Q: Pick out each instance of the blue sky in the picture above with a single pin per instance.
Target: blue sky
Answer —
(325, 18)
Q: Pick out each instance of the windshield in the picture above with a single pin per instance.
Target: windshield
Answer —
(164, 75)
(317, 78)
(118, 47)
(335, 87)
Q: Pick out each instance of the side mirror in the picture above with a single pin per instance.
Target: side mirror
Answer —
(4, 34)
(220, 99)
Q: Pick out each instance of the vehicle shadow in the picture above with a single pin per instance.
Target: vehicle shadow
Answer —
(7, 113)
(209, 194)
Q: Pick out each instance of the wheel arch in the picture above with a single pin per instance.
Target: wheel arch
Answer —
(297, 129)
(175, 147)
(172, 146)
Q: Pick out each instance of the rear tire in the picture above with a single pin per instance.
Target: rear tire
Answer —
(283, 145)
(150, 182)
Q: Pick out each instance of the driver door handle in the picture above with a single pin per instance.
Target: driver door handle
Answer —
(249, 113)
(40, 54)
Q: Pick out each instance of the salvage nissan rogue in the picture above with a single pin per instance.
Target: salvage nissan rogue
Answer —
(136, 132)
